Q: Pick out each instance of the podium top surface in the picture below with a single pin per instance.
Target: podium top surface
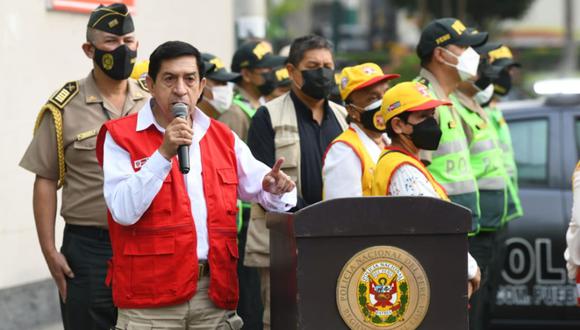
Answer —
(371, 216)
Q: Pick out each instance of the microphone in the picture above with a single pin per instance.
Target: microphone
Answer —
(180, 110)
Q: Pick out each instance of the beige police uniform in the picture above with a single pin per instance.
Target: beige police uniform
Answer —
(82, 115)
(85, 245)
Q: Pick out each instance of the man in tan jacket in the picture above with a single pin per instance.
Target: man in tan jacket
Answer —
(298, 126)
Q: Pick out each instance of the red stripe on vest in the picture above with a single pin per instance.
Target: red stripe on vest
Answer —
(154, 261)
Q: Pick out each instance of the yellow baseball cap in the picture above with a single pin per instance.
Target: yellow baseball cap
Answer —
(140, 69)
(408, 96)
(356, 77)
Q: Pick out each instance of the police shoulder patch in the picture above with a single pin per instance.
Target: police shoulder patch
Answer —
(63, 96)
(143, 84)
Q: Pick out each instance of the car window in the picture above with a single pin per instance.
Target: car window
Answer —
(530, 143)
(577, 134)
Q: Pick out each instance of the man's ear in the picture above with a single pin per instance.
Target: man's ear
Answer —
(294, 74)
(246, 73)
(202, 84)
(89, 50)
(352, 113)
(438, 56)
(150, 83)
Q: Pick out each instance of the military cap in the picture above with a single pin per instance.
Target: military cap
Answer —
(114, 19)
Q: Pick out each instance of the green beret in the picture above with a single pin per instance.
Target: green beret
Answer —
(114, 19)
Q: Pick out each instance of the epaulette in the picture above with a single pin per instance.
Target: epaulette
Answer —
(143, 84)
(61, 98)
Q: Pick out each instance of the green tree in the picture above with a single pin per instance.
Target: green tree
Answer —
(474, 12)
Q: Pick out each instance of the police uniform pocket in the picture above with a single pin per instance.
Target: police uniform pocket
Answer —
(287, 147)
(86, 144)
(152, 264)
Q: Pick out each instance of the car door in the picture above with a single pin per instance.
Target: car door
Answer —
(571, 146)
(532, 288)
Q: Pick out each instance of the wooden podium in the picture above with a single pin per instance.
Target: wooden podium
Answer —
(310, 248)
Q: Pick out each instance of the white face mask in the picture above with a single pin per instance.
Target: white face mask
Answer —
(483, 96)
(222, 97)
(467, 63)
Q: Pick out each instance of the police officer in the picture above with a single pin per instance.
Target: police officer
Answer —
(447, 58)
(278, 82)
(501, 59)
(218, 92)
(254, 60)
(496, 63)
(62, 153)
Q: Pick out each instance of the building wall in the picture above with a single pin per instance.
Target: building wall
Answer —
(40, 50)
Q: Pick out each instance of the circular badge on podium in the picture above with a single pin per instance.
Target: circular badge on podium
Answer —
(383, 287)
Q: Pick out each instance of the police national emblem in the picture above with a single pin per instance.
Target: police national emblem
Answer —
(383, 287)
(108, 61)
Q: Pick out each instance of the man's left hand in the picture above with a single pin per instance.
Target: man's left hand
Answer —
(277, 182)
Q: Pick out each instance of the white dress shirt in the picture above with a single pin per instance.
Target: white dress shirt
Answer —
(342, 171)
(409, 181)
(129, 194)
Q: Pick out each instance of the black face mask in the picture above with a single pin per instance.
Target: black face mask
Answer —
(503, 84)
(317, 82)
(371, 119)
(269, 84)
(117, 64)
(426, 134)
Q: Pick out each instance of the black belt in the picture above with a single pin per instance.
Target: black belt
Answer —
(203, 268)
(88, 232)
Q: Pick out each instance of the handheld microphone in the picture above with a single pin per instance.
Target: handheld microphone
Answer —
(180, 110)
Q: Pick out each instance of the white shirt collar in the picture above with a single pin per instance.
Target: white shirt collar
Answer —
(145, 119)
(373, 149)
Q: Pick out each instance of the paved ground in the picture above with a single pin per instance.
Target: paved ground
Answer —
(56, 326)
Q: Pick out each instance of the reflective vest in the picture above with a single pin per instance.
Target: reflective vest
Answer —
(250, 112)
(487, 164)
(244, 105)
(450, 164)
(514, 206)
(155, 261)
(352, 140)
(390, 160)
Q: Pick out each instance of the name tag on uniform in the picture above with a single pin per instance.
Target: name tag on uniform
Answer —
(86, 135)
(140, 163)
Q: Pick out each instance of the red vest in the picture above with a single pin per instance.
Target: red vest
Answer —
(154, 261)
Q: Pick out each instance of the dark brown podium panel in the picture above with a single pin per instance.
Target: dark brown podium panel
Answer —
(310, 248)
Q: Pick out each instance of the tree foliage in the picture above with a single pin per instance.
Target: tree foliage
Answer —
(477, 12)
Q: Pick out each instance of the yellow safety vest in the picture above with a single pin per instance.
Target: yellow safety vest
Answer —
(390, 161)
(351, 139)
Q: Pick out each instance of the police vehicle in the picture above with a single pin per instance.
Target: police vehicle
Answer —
(534, 291)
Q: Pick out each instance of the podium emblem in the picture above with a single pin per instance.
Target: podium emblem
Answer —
(383, 287)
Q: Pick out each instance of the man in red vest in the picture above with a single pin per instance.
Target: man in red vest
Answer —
(174, 235)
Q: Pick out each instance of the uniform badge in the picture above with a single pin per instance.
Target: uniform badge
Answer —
(383, 287)
(108, 61)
